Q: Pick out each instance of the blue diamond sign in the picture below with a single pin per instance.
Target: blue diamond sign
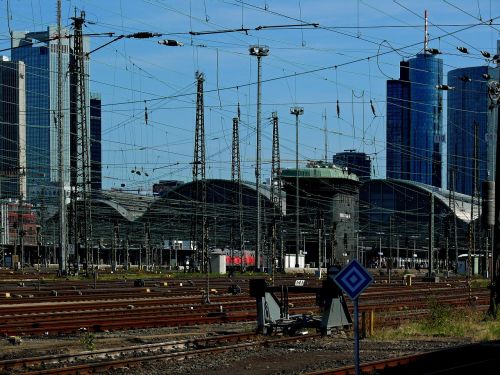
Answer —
(353, 279)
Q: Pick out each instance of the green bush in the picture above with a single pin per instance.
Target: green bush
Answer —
(88, 341)
(440, 316)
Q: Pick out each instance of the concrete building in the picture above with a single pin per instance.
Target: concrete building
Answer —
(330, 193)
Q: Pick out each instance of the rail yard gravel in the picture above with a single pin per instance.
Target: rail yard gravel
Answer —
(290, 358)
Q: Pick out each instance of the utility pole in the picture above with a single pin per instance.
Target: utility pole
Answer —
(431, 234)
(114, 245)
(127, 259)
(259, 51)
(62, 256)
(297, 111)
(236, 178)
(494, 94)
(82, 178)
(147, 239)
(20, 215)
(325, 129)
(474, 188)
(276, 187)
(477, 226)
(455, 229)
(320, 221)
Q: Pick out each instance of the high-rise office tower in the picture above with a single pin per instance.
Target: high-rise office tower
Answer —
(415, 121)
(398, 125)
(95, 143)
(12, 129)
(38, 51)
(470, 109)
(426, 119)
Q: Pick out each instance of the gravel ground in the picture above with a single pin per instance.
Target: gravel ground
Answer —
(287, 358)
(290, 358)
(43, 345)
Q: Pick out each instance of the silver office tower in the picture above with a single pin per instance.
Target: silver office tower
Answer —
(38, 51)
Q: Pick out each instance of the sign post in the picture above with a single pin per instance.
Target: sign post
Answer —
(353, 280)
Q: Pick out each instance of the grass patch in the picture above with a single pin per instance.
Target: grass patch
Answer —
(444, 321)
(88, 341)
(480, 283)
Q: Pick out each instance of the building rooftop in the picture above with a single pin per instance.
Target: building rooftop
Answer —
(320, 172)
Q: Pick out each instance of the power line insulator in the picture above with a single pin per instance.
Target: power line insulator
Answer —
(486, 54)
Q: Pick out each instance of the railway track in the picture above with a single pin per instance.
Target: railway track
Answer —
(480, 358)
(125, 310)
(109, 359)
(118, 305)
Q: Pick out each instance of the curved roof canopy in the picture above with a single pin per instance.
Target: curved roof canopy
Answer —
(460, 204)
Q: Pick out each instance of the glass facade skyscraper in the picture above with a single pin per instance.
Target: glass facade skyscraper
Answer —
(398, 125)
(426, 119)
(415, 122)
(12, 129)
(95, 142)
(469, 106)
(38, 51)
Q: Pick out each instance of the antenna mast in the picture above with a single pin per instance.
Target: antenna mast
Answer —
(426, 35)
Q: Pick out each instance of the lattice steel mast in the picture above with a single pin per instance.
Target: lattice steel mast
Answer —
(60, 149)
(276, 186)
(83, 189)
(199, 175)
(236, 178)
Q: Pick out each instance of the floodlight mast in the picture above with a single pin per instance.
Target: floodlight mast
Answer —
(259, 51)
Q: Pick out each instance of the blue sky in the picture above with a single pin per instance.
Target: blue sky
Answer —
(351, 33)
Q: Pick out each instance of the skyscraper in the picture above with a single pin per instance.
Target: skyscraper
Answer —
(415, 121)
(38, 51)
(95, 142)
(398, 125)
(12, 129)
(469, 107)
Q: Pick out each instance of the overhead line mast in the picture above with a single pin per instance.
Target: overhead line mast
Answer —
(62, 255)
(236, 178)
(276, 198)
(82, 173)
(199, 175)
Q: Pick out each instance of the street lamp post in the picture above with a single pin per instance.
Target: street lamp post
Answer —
(259, 51)
(297, 111)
